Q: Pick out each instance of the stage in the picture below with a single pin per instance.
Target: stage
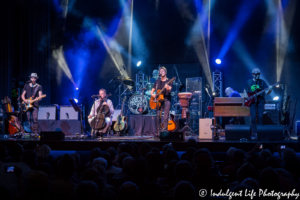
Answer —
(220, 145)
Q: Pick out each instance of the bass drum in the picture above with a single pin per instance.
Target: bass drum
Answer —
(138, 104)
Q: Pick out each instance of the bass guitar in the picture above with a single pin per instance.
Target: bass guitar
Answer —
(172, 126)
(120, 123)
(98, 122)
(248, 101)
(29, 105)
(155, 102)
(13, 122)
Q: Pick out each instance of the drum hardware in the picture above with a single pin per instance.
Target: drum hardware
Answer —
(184, 100)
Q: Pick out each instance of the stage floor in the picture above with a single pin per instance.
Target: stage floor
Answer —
(220, 145)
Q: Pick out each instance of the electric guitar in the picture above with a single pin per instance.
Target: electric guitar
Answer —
(155, 103)
(120, 123)
(248, 101)
(29, 105)
(172, 126)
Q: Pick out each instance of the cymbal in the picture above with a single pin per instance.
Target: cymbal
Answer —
(121, 78)
(129, 82)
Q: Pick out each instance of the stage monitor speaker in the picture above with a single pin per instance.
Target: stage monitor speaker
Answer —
(271, 117)
(270, 132)
(47, 113)
(68, 113)
(237, 132)
(52, 135)
(171, 136)
(205, 132)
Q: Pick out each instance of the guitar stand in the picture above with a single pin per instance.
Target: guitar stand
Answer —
(288, 135)
(186, 126)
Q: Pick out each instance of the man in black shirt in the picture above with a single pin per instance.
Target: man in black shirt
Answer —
(255, 85)
(33, 90)
(166, 104)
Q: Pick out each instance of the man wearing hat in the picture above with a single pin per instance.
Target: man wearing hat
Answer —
(33, 90)
(255, 85)
(166, 104)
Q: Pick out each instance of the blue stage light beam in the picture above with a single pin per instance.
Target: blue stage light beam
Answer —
(240, 20)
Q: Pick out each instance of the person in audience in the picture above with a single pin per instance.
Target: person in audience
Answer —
(110, 169)
(43, 154)
(184, 190)
(125, 174)
(129, 190)
(86, 190)
(65, 185)
(95, 153)
(100, 161)
(145, 148)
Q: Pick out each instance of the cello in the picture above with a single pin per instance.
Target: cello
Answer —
(98, 122)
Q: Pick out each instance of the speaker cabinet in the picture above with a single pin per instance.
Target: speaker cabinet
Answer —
(205, 131)
(270, 132)
(69, 128)
(171, 136)
(271, 117)
(47, 113)
(52, 135)
(237, 132)
(68, 113)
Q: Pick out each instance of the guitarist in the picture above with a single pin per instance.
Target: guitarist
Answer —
(33, 90)
(166, 104)
(98, 103)
(255, 85)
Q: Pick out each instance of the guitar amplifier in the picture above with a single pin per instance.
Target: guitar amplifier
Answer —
(48, 112)
(68, 113)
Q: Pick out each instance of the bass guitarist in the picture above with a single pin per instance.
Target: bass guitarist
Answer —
(255, 85)
(97, 104)
(33, 90)
(166, 104)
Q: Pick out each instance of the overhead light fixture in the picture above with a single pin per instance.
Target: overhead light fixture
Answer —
(276, 98)
(218, 61)
(139, 63)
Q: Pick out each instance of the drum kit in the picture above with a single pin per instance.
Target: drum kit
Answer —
(138, 101)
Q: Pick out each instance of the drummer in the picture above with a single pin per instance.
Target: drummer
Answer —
(166, 104)
(154, 76)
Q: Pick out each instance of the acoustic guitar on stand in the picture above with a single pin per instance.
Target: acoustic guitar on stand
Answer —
(172, 126)
(155, 103)
(120, 124)
(29, 105)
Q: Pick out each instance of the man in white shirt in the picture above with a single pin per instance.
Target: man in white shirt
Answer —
(93, 113)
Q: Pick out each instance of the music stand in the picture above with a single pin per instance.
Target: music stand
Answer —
(77, 109)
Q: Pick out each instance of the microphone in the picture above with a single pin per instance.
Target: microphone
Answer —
(48, 115)
(29, 81)
(159, 75)
(95, 95)
(111, 80)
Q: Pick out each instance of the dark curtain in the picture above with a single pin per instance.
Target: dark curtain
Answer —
(25, 44)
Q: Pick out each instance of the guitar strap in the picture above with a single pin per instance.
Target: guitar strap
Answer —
(35, 90)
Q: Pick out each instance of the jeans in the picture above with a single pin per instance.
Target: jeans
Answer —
(259, 108)
(32, 117)
(166, 106)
